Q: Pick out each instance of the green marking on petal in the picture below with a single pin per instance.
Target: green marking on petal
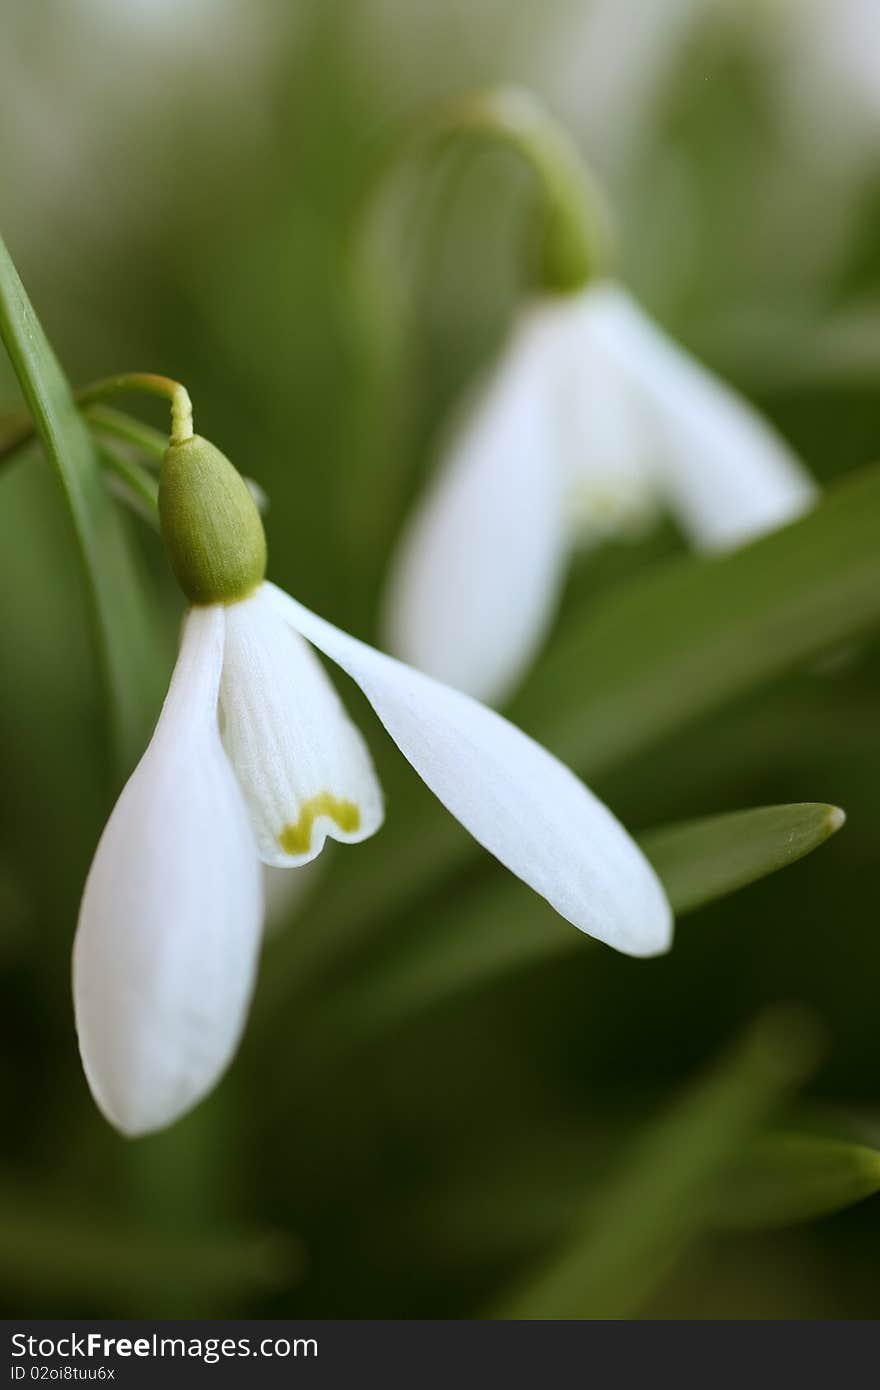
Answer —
(296, 838)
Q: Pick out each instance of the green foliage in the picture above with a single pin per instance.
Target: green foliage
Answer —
(704, 859)
(120, 616)
(672, 646)
(641, 1222)
(81, 1257)
(505, 927)
(790, 1177)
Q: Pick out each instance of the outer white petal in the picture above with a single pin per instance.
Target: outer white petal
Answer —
(723, 471)
(517, 800)
(166, 948)
(476, 578)
(303, 767)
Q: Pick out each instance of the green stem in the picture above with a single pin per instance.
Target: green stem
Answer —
(575, 244)
(19, 428)
(139, 481)
(152, 385)
(120, 615)
(125, 427)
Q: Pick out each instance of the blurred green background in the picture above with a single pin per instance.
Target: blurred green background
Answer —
(182, 184)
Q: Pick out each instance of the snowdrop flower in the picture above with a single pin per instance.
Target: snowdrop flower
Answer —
(591, 423)
(254, 758)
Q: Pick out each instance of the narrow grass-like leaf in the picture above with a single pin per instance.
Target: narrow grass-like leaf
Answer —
(80, 1260)
(500, 926)
(662, 1200)
(705, 859)
(124, 633)
(527, 1199)
(676, 644)
(789, 1177)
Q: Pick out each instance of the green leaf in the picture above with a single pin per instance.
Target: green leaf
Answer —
(681, 641)
(501, 926)
(704, 859)
(638, 1225)
(788, 1177)
(84, 1260)
(124, 631)
(520, 1203)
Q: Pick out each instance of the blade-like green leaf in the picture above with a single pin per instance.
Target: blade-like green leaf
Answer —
(84, 1260)
(523, 1202)
(676, 644)
(501, 926)
(788, 1177)
(662, 1199)
(124, 631)
(704, 859)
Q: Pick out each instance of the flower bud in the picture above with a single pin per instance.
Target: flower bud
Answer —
(210, 524)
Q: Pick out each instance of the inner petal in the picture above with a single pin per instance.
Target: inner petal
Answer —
(304, 768)
(606, 441)
(297, 839)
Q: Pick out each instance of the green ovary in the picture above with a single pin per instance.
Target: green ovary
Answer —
(296, 837)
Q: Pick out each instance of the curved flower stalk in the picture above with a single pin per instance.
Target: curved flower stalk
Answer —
(254, 758)
(592, 422)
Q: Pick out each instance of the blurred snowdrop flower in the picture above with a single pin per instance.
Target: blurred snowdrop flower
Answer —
(592, 422)
(254, 758)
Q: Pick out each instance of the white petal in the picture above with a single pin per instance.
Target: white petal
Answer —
(724, 472)
(513, 796)
(166, 947)
(303, 766)
(607, 443)
(476, 578)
